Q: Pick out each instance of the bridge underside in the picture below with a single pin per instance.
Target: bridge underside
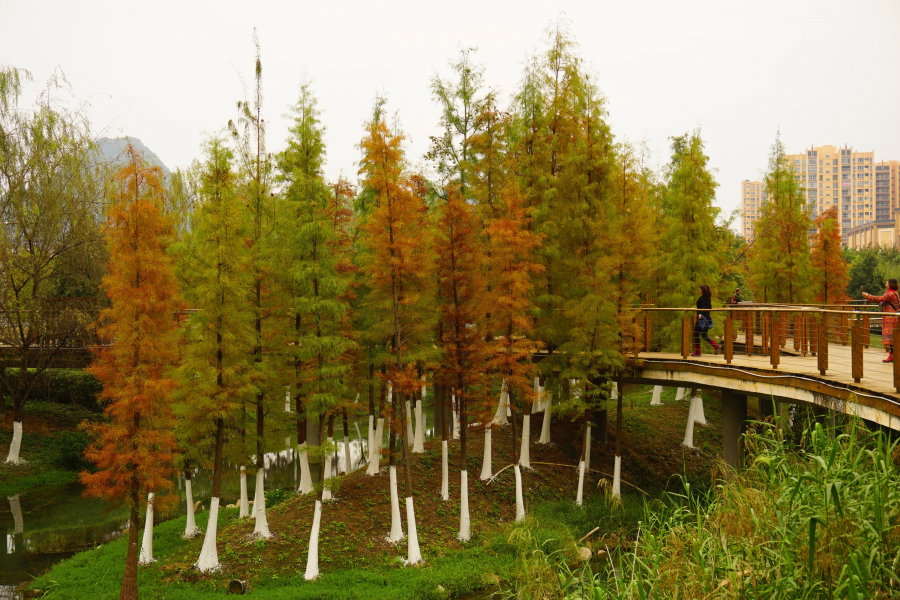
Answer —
(782, 386)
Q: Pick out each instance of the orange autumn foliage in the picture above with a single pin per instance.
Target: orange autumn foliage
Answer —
(462, 296)
(133, 449)
(399, 264)
(512, 265)
(830, 273)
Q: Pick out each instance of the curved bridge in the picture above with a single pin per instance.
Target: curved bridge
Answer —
(831, 360)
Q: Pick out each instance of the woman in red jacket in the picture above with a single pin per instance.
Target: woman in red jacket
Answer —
(890, 303)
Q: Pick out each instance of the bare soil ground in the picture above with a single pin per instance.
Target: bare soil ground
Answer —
(355, 524)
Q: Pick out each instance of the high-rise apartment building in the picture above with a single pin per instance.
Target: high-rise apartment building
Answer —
(841, 178)
(887, 185)
(753, 196)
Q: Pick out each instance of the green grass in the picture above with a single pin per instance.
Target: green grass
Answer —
(483, 564)
(18, 485)
(814, 518)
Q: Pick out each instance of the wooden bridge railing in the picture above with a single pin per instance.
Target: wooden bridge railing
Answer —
(842, 341)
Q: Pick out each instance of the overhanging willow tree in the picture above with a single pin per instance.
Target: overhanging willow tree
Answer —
(51, 188)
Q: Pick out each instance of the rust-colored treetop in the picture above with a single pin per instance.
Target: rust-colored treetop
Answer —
(400, 259)
(463, 303)
(512, 267)
(830, 272)
(137, 441)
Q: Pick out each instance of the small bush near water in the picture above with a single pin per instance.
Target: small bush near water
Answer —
(818, 520)
(68, 450)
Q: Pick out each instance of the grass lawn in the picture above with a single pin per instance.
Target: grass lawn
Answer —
(357, 562)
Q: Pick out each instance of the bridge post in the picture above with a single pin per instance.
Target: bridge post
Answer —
(812, 333)
(856, 351)
(866, 331)
(782, 328)
(749, 327)
(822, 345)
(685, 337)
(647, 331)
(766, 407)
(734, 419)
(774, 342)
(729, 338)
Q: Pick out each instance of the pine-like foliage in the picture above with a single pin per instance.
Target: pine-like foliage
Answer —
(460, 107)
(512, 270)
(692, 255)
(491, 160)
(781, 266)
(316, 228)
(562, 146)
(830, 274)
(133, 447)
(399, 260)
(462, 305)
(254, 183)
(216, 267)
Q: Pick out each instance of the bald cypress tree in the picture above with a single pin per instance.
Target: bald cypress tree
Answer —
(213, 376)
(830, 272)
(462, 305)
(254, 184)
(781, 258)
(398, 263)
(690, 244)
(133, 447)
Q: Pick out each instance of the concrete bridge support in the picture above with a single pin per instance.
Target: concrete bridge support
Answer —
(766, 407)
(734, 419)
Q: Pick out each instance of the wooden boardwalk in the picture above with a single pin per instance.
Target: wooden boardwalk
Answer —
(874, 396)
(878, 376)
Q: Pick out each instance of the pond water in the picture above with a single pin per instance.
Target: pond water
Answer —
(45, 526)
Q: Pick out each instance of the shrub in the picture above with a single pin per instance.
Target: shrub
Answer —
(275, 496)
(65, 386)
(68, 450)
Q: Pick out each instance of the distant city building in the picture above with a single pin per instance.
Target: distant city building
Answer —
(887, 185)
(862, 190)
(753, 196)
(874, 233)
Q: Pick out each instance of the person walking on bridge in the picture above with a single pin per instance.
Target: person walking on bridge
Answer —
(704, 321)
(890, 303)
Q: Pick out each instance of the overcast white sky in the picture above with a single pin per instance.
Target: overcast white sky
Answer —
(168, 72)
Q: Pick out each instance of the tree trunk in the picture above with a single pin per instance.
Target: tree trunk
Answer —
(601, 421)
(129, 581)
(439, 408)
(209, 554)
(347, 466)
(312, 558)
(3, 387)
(619, 418)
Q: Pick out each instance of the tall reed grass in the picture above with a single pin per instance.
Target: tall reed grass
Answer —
(814, 519)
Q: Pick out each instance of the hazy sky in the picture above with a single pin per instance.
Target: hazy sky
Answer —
(169, 72)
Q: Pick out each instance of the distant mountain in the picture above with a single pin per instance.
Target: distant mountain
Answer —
(111, 150)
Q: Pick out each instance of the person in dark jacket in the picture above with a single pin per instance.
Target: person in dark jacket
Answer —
(704, 321)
